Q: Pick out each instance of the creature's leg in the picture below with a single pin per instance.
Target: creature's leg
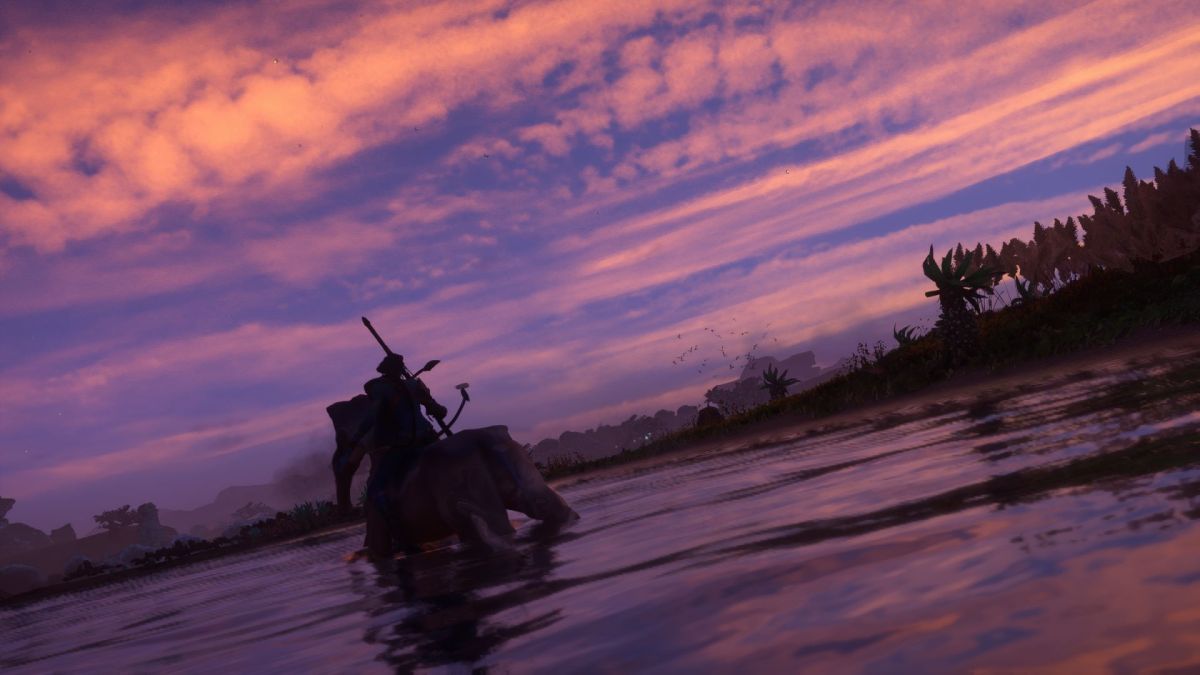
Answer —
(345, 464)
(393, 468)
(477, 512)
(379, 539)
(400, 463)
(476, 525)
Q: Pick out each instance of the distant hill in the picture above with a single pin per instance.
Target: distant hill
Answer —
(220, 509)
(608, 439)
(307, 478)
(746, 392)
(638, 430)
(802, 366)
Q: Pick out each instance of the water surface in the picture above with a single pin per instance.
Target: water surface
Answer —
(1046, 524)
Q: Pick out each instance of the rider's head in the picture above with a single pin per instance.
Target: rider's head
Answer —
(392, 364)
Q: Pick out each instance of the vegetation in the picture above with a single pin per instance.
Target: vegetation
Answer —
(776, 383)
(561, 464)
(904, 336)
(310, 515)
(1137, 266)
(117, 518)
(961, 285)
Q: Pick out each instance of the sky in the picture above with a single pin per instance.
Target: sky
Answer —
(556, 199)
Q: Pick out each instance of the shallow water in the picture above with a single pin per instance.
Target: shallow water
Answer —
(1048, 525)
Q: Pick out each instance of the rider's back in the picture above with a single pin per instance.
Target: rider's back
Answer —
(399, 422)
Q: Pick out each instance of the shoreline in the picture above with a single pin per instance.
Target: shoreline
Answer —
(789, 425)
(97, 580)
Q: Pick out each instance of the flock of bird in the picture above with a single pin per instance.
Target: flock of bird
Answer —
(725, 360)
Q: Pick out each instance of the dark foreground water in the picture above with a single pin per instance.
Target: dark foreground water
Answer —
(1042, 525)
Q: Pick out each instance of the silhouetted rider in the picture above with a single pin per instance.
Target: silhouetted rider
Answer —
(400, 431)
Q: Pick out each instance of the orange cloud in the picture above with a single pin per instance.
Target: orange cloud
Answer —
(191, 115)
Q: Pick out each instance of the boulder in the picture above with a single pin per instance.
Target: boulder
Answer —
(708, 416)
(16, 579)
(77, 561)
(19, 538)
(185, 539)
(235, 528)
(6, 505)
(131, 553)
(63, 535)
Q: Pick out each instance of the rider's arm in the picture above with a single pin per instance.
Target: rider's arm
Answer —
(431, 406)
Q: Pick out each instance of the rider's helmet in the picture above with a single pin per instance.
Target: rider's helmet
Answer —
(392, 364)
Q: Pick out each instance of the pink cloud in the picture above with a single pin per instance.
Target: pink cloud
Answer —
(1155, 140)
(201, 113)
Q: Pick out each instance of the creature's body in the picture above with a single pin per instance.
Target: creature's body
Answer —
(463, 485)
(421, 489)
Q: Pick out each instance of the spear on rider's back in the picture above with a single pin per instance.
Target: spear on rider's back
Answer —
(408, 375)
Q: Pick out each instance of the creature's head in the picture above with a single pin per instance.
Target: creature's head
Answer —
(538, 499)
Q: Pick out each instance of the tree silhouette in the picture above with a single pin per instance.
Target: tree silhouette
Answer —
(958, 285)
(1155, 221)
(117, 518)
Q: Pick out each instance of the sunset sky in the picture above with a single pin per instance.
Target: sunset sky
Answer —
(198, 201)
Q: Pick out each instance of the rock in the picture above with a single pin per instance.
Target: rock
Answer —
(63, 535)
(151, 532)
(15, 579)
(708, 417)
(19, 538)
(131, 553)
(185, 539)
(236, 526)
(6, 505)
(77, 561)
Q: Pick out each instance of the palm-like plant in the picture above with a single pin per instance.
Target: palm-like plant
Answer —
(1026, 291)
(904, 336)
(776, 383)
(958, 286)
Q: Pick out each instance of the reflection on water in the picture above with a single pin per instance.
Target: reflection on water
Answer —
(1049, 524)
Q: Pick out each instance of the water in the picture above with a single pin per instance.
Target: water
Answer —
(980, 531)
